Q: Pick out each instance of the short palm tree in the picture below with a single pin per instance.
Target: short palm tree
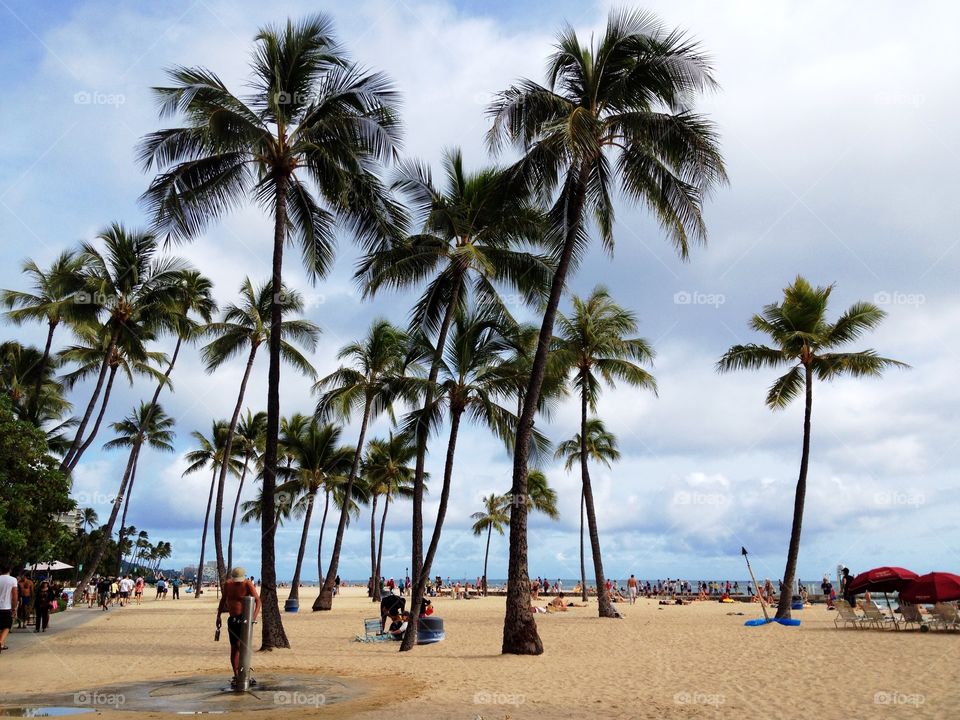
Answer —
(319, 457)
(616, 112)
(21, 369)
(368, 384)
(471, 234)
(311, 114)
(144, 424)
(387, 470)
(804, 340)
(244, 329)
(210, 452)
(495, 516)
(55, 298)
(130, 285)
(88, 519)
(249, 443)
(598, 445)
(594, 346)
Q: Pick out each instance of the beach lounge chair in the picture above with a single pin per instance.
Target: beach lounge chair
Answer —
(371, 632)
(911, 616)
(946, 616)
(875, 617)
(846, 615)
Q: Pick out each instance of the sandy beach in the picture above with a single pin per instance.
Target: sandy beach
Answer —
(693, 661)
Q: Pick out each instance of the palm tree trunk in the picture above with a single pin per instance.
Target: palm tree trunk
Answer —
(108, 528)
(375, 594)
(520, 635)
(236, 507)
(225, 466)
(295, 583)
(99, 421)
(126, 506)
(486, 557)
(81, 428)
(789, 574)
(605, 607)
(410, 636)
(273, 634)
(583, 567)
(383, 524)
(203, 538)
(423, 432)
(323, 525)
(45, 358)
(324, 600)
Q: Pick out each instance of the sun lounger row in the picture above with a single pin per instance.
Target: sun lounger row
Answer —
(943, 616)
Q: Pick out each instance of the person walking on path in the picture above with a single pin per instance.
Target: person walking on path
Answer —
(45, 596)
(8, 602)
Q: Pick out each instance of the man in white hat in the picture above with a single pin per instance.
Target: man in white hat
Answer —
(235, 589)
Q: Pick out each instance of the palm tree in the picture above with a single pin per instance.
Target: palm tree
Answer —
(595, 444)
(211, 451)
(245, 328)
(21, 368)
(594, 347)
(311, 114)
(469, 232)
(804, 340)
(615, 111)
(470, 382)
(368, 385)
(159, 435)
(132, 286)
(495, 516)
(319, 457)
(88, 519)
(388, 474)
(249, 439)
(55, 299)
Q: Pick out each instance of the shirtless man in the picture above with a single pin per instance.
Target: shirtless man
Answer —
(25, 593)
(632, 588)
(231, 602)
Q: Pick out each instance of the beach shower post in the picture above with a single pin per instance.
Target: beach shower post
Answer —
(246, 644)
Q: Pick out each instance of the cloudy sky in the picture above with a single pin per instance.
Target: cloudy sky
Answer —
(838, 126)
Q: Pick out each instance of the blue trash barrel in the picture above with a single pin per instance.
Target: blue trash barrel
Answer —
(430, 630)
(292, 605)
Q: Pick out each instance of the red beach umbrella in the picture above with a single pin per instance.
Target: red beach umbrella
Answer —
(932, 588)
(882, 579)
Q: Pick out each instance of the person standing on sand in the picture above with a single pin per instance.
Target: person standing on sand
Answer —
(235, 589)
(632, 589)
(8, 602)
(175, 583)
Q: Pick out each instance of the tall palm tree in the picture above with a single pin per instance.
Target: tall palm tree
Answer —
(159, 435)
(130, 284)
(55, 299)
(617, 111)
(495, 516)
(319, 457)
(388, 474)
(312, 114)
(245, 328)
(595, 444)
(594, 346)
(210, 452)
(469, 237)
(368, 384)
(249, 439)
(470, 382)
(805, 341)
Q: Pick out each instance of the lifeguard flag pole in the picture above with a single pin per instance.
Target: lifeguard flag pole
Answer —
(763, 603)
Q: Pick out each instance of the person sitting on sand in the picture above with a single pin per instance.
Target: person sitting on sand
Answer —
(235, 589)
(399, 623)
(557, 604)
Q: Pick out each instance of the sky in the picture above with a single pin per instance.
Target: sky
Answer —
(837, 122)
